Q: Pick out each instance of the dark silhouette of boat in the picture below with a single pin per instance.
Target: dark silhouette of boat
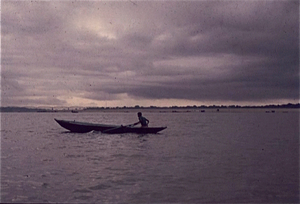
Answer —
(82, 127)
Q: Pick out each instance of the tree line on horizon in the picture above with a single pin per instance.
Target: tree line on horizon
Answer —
(26, 109)
(289, 105)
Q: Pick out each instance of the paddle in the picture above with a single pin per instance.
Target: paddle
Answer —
(112, 130)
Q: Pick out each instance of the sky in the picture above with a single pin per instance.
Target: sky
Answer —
(149, 53)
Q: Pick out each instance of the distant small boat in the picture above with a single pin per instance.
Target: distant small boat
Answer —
(82, 127)
(74, 111)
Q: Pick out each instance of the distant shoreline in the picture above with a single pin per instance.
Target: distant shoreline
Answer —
(160, 109)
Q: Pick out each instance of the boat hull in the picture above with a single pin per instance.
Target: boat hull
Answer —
(138, 130)
(80, 127)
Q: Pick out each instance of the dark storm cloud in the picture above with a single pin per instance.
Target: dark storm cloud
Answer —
(191, 50)
(268, 31)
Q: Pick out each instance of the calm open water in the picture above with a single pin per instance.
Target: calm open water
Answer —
(221, 157)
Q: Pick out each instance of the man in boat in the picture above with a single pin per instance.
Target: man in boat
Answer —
(144, 121)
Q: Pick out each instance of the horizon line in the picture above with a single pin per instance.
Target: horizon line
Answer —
(294, 105)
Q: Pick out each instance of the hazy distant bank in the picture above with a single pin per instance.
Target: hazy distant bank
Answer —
(173, 109)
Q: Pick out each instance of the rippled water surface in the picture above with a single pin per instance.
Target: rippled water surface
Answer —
(245, 156)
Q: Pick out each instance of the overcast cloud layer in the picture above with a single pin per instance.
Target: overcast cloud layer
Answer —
(89, 53)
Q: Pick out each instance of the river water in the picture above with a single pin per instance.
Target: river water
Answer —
(221, 157)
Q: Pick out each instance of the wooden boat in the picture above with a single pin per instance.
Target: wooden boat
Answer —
(82, 127)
